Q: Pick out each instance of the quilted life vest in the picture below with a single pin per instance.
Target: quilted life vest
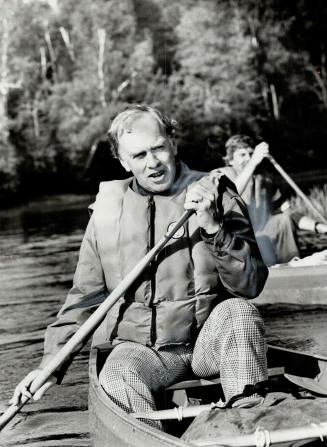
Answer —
(173, 297)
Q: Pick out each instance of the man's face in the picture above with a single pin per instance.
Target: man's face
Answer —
(240, 159)
(148, 154)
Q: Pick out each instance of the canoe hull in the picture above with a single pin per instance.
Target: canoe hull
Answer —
(110, 426)
(295, 285)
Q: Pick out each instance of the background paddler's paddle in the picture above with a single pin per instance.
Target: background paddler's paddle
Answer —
(295, 187)
(95, 319)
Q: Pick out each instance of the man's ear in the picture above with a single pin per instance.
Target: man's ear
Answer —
(174, 144)
(124, 164)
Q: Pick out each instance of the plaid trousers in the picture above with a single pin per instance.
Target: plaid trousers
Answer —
(231, 343)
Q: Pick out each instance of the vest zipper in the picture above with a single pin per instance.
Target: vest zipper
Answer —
(152, 271)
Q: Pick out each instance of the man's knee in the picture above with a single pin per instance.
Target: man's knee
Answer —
(284, 219)
(128, 371)
(236, 308)
(113, 372)
(279, 223)
(238, 313)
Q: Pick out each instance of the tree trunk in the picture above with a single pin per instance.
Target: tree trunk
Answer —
(102, 40)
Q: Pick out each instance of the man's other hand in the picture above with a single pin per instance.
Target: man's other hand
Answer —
(202, 197)
(260, 152)
(22, 393)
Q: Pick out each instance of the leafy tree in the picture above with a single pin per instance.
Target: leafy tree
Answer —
(218, 66)
(216, 76)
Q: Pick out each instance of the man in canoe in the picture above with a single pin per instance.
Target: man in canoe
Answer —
(272, 221)
(189, 309)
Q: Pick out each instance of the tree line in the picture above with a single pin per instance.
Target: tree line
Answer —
(218, 67)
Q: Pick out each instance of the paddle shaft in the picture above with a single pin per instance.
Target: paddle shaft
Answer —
(178, 413)
(295, 187)
(94, 320)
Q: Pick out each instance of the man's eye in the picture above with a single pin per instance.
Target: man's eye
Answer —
(159, 149)
(139, 156)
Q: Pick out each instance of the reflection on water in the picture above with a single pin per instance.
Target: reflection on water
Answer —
(303, 328)
(43, 219)
(39, 247)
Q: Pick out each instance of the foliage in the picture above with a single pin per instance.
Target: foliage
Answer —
(218, 81)
(219, 67)
(317, 196)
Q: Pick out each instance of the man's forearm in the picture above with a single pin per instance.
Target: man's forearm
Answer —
(244, 177)
(240, 266)
(239, 262)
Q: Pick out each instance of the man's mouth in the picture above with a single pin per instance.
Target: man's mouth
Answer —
(157, 174)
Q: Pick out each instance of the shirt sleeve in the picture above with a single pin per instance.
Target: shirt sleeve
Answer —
(278, 203)
(296, 216)
(88, 291)
(239, 262)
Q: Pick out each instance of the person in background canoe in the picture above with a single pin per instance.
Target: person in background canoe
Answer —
(189, 308)
(272, 221)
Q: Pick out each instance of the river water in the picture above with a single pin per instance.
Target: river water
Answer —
(38, 251)
(39, 246)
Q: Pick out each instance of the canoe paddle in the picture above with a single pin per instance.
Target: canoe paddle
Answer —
(95, 319)
(291, 182)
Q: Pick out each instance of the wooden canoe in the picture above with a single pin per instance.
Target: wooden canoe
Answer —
(295, 285)
(110, 426)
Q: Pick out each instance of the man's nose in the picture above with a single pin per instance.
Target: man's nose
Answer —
(152, 160)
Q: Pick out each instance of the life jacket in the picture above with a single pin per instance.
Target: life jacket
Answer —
(173, 297)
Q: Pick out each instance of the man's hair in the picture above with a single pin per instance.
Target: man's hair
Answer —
(123, 121)
(235, 143)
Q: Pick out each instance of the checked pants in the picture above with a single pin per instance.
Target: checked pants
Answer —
(230, 343)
